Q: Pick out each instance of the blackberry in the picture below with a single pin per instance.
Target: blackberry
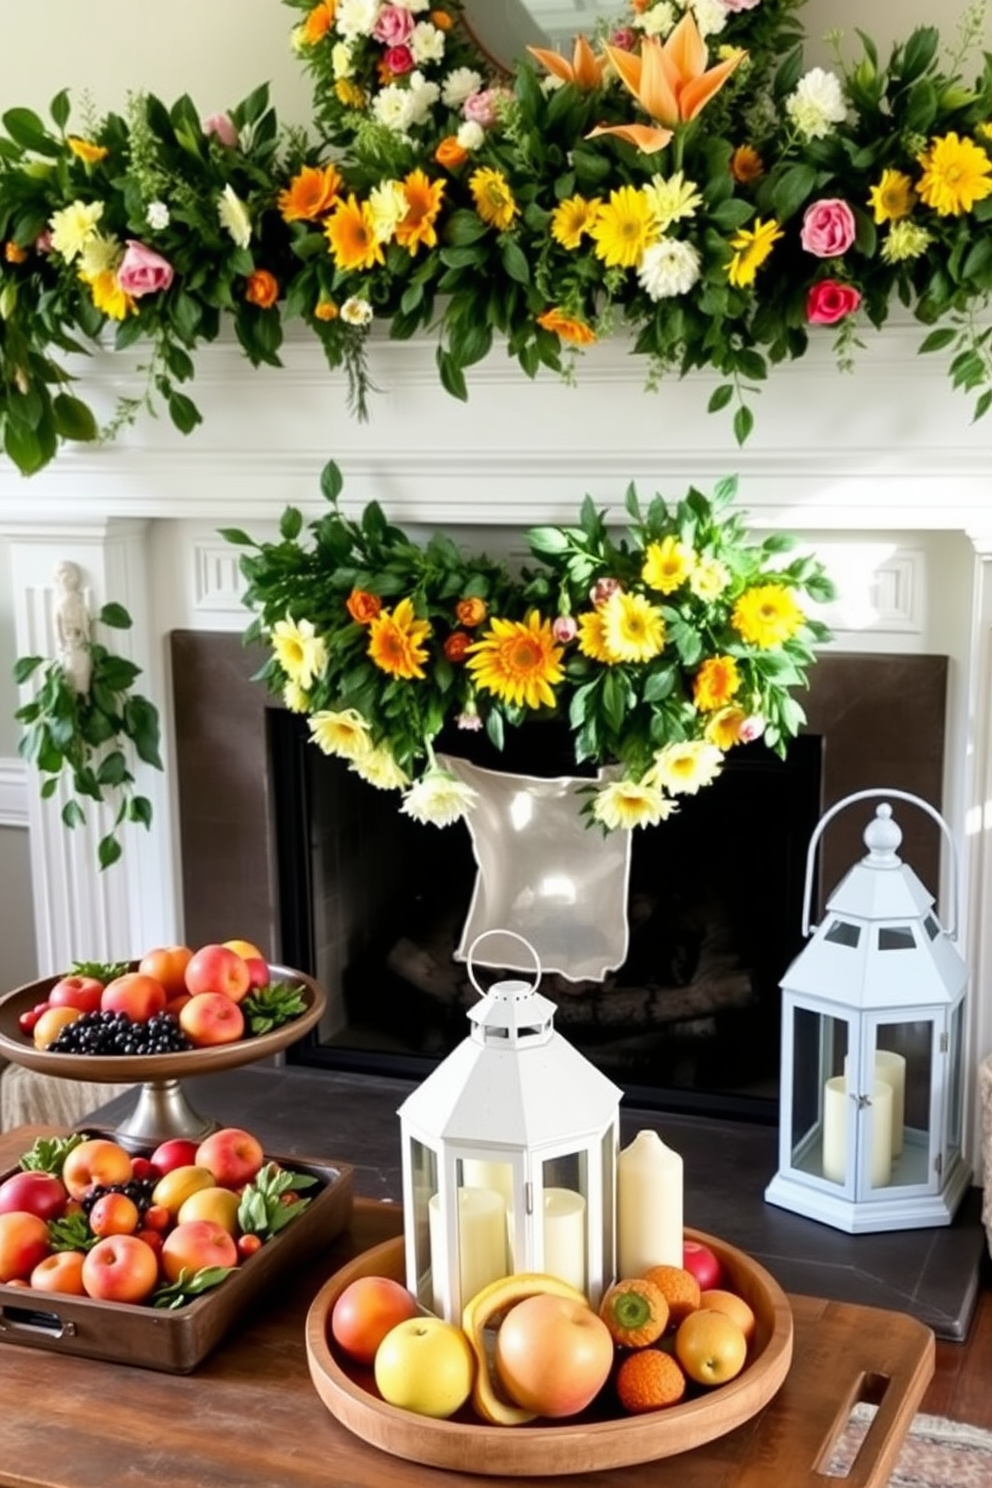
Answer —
(139, 1190)
(116, 1033)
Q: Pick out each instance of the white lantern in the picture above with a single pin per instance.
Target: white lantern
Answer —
(509, 1153)
(872, 1034)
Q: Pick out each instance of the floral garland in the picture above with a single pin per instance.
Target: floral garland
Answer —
(682, 177)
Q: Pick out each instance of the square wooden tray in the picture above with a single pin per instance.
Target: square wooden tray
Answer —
(176, 1340)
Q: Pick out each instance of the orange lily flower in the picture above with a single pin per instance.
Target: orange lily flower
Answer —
(671, 82)
(585, 69)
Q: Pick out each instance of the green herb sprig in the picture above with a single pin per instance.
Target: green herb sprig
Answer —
(263, 1210)
(272, 1006)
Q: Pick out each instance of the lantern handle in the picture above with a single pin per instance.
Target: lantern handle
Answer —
(512, 934)
(900, 795)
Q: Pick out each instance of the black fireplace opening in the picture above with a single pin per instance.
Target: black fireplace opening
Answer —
(372, 904)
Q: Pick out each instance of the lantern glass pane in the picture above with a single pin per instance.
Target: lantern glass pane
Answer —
(563, 1220)
(955, 1099)
(423, 1171)
(903, 1060)
(820, 1044)
(896, 938)
(609, 1171)
(493, 1177)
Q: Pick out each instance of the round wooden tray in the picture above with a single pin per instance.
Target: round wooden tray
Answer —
(19, 1049)
(589, 1442)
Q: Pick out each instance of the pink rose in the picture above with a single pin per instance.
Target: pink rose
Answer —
(43, 242)
(482, 107)
(733, 6)
(828, 301)
(143, 271)
(394, 26)
(751, 728)
(564, 629)
(624, 39)
(399, 59)
(223, 127)
(602, 589)
(828, 228)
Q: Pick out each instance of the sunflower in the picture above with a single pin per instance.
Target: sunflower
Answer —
(345, 733)
(519, 661)
(300, 651)
(592, 638)
(396, 642)
(633, 629)
(351, 235)
(310, 194)
(715, 683)
(423, 198)
(623, 228)
(955, 175)
(751, 246)
(493, 198)
(573, 218)
(767, 616)
(631, 803)
(667, 565)
(893, 197)
(684, 769)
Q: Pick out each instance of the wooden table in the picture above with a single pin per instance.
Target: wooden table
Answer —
(249, 1416)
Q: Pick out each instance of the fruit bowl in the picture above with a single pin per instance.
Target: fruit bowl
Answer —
(592, 1441)
(162, 1110)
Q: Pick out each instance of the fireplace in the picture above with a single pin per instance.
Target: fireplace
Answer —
(278, 838)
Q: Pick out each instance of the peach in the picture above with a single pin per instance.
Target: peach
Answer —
(96, 1161)
(114, 1214)
(195, 1244)
(60, 1272)
(211, 1018)
(134, 993)
(120, 1268)
(232, 1154)
(23, 1243)
(218, 968)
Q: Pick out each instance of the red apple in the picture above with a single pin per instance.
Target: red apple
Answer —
(194, 1244)
(135, 994)
(120, 1268)
(366, 1310)
(82, 992)
(23, 1243)
(703, 1263)
(232, 1154)
(258, 971)
(218, 968)
(553, 1354)
(211, 1018)
(33, 1193)
(98, 1160)
(175, 1152)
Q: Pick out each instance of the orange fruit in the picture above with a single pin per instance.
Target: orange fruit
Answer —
(720, 1300)
(649, 1380)
(710, 1347)
(635, 1311)
(680, 1288)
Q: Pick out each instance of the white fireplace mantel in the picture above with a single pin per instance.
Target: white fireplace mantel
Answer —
(882, 470)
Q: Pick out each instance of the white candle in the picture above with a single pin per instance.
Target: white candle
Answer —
(565, 1236)
(479, 1172)
(481, 1240)
(649, 1205)
(891, 1068)
(836, 1110)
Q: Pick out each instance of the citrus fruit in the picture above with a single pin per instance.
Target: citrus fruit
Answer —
(635, 1311)
(649, 1380)
(680, 1289)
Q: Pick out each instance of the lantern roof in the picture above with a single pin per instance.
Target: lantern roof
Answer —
(881, 886)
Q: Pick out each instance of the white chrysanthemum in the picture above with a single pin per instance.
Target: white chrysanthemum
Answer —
(356, 311)
(344, 734)
(424, 96)
(657, 21)
(460, 84)
(98, 254)
(817, 104)
(684, 769)
(73, 226)
(157, 215)
(671, 198)
(394, 107)
(711, 16)
(438, 799)
(355, 18)
(343, 59)
(413, 6)
(426, 43)
(387, 207)
(379, 768)
(631, 803)
(300, 651)
(668, 268)
(471, 136)
(234, 216)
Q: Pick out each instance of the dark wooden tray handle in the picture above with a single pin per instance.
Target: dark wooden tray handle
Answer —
(14, 1320)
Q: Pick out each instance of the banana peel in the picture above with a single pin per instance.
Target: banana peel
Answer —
(480, 1312)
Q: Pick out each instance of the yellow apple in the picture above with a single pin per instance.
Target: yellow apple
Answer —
(710, 1346)
(425, 1365)
(218, 1204)
(175, 1187)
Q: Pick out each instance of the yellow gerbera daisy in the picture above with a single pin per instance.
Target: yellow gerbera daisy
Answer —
(567, 327)
(667, 564)
(379, 768)
(396, 641)
(767, 615)
(751, 246)
(351, 235)
(715, 683)
(592, 638)
(300, 651)
(684, 769)
(344, 733)
(631, 803)
(86, 150)
(349, 93)
(634, 630)
(573, 218)
(72, 226)
(108, 296)
(312, 192)
(493, 197)
(518, 661)
(623, 228)
(955, 175)
(893, 197)
(318, 22)
(296, 698)
(423, 200)
(724, 728)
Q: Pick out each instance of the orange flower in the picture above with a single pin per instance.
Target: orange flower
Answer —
(585, 69)
(716, 682)
(450, 153)
(363, 606)
(262, 289)
(471, 611)
(746, 165)
(13, 253)
(567, 327)
(457, 644)
(319, 21)
(326, 310)
(352, 236)
(311, 193)
(441, 19)
(423, 198)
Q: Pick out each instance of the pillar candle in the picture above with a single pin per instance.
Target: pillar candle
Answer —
(836, 1109)
(478, 1172)
(891, 1068)
(565, 1236)
(649, 1205)
(481, 1239)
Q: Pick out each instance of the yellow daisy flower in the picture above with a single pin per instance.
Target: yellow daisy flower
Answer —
(955, 175)
(893, 197)
(592, 638)
(631, 803)
(423, 203)
(715, 683)
(300, 651)
(567, 327)
(312, 192)
(86, 150)
(72, 227)
(351, 236)
(396, 641)
(379, 768)
(667, 565)
(767, 615)
(623, 228)
(685, 769)
(493, 197)
(708, 579)
(344, 733)
(296, 698)
(107, 294)
(633, 629)
(724, 727)
(573, 218)
(751, 246)
(518, 661)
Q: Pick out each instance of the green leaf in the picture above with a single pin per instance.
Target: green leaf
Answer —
(184, 412)
(108, 851)
(743, 424)
(73, 419)
(452, 376)
(331, 481)
(939, 339)
(24, 126)
(116, 616)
